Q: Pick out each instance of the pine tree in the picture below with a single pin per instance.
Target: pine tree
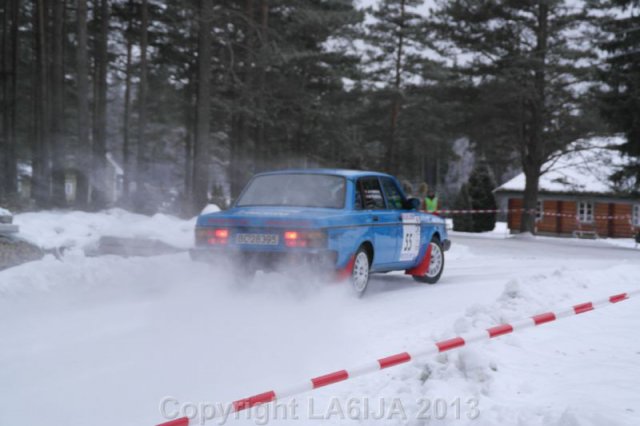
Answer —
(8, 147)
(58, 104)
(99, 140)
(203, 116)
(285, 99)
(463, 222)
(142, 148)
(83, 148)
(397, 40)
(480, 187)
(41, 151)
(621, 101)
(532, 53)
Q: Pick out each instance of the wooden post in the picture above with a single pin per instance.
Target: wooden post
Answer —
(611, 230)
(510, 214)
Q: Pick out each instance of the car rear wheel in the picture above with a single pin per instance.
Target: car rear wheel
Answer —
(360, 272)
(436, 264)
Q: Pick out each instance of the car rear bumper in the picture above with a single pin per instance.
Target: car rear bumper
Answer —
(267, 260)
(446, 245)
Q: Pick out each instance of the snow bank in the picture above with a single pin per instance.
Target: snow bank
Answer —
(210, 208)
(500, 231)
(50, 229)
(621, 242)
(577, 372)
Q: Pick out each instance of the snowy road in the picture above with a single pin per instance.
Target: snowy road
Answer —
(101, 341)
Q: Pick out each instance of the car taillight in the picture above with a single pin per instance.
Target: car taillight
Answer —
(219, 236)
(312, 239)
(222, 234)
(292, 239)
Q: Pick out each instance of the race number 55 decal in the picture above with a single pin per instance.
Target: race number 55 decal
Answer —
(410, 237)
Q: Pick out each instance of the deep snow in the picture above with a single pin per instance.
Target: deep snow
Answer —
(101, 341)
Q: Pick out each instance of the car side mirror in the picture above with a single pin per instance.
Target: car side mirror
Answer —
(413, 204)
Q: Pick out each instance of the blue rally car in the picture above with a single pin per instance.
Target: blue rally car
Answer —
(352, 223)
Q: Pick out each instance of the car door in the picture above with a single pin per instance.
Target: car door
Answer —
(407, 230)
(383, 222)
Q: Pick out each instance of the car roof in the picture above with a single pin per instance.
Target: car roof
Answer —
(349, 174)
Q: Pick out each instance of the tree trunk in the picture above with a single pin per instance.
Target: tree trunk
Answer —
(534, 153)
(57, 105)
(261, 150)
(8, 186)
(530, 202)
(142, 166)
(201, 148)
(234, 153)
(239, 150)
(82, 70)
(390, 157)
(127, 105)
(392, 149)
(99, 146)
(40, 148)
(188, 144)
(4, 77)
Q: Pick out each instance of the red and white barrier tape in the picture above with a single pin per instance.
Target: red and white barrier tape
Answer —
(403, 357)
(531, 211)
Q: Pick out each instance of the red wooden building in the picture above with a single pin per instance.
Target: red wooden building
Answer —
(577, 196)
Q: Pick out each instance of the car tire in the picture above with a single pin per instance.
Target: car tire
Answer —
(436, 264)
(361, 270)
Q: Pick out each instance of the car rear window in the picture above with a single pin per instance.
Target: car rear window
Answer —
(295, 190)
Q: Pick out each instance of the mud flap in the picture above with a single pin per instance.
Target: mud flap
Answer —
(423, 267)
(345, 272)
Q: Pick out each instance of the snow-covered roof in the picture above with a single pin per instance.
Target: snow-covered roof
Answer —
(586, 167)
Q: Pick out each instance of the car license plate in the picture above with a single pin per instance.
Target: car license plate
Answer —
(257, 239)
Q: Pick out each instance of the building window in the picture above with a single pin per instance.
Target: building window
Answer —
(539, 210)
(636, 215)
(585, 211)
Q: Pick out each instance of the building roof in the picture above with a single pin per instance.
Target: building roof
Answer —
(586, 167)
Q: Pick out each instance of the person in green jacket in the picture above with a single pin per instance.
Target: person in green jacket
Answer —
(431, 201)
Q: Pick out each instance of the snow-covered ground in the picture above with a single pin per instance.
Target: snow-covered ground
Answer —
(105, 340)
(76, 229)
